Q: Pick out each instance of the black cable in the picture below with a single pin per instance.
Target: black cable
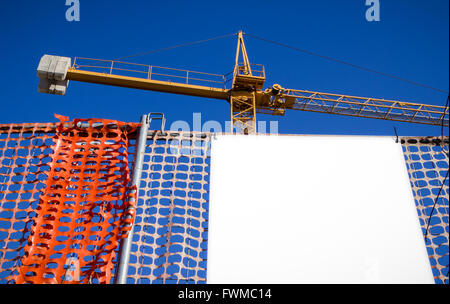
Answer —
(441, 144)
(175, 46)
(442, 132)
(435, 201)
(396, 134)
(347, 63)
(442, 141)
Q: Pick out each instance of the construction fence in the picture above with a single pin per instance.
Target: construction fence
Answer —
(67, 202)
(428, 168)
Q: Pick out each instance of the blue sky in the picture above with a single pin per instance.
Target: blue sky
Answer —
(410, 41)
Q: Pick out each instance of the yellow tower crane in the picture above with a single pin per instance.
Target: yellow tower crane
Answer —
(246, 95)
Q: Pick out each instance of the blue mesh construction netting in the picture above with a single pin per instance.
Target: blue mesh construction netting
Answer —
(427, 161)
(170, 234)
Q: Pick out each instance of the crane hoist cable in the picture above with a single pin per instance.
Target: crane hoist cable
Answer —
(176, 46)
(347, 63)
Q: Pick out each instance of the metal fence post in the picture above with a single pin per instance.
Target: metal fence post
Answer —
(137, 172)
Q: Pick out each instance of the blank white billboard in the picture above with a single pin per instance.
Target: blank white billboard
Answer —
(312, 209)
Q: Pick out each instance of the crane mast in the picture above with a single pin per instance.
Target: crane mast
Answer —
(243, 94)
(246, 96)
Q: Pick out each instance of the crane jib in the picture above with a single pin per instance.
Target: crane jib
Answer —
(246, 95)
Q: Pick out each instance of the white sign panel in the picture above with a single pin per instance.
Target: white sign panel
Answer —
(312, 209)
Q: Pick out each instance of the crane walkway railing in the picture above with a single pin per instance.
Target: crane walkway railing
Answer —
(150, 72)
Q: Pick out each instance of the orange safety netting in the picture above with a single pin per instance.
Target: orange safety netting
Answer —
(86, 208)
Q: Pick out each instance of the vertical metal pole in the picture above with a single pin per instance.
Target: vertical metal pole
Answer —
(124, 257)
(150, 72)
